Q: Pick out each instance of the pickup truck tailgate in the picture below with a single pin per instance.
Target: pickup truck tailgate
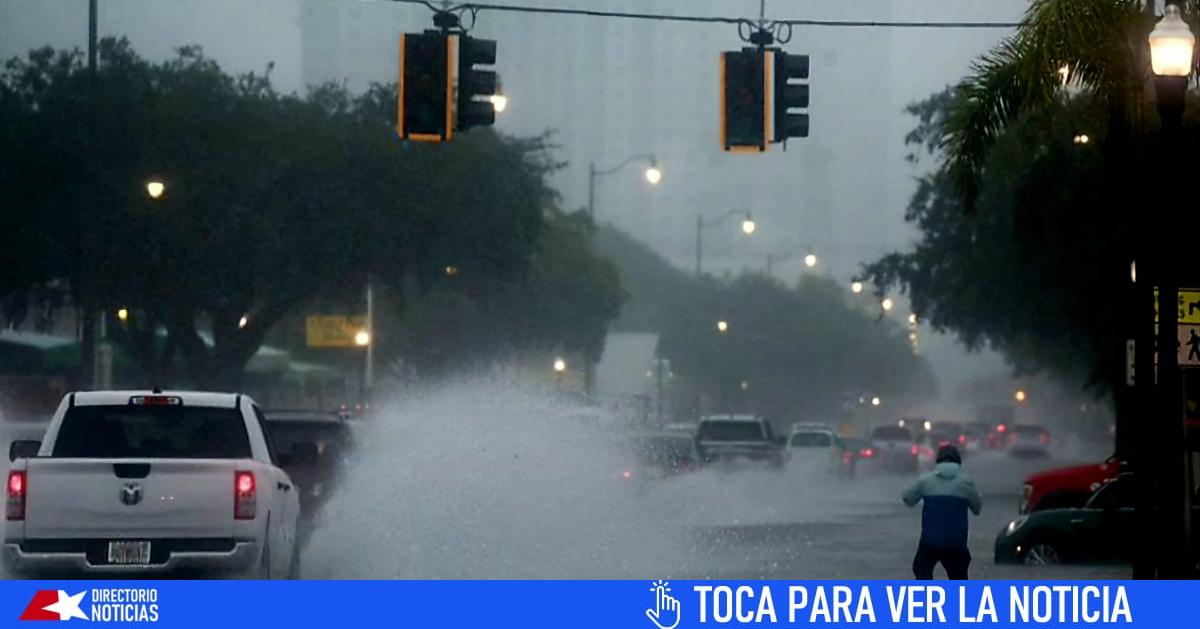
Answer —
(130, 498)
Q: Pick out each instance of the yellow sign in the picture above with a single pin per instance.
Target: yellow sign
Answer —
(333, 330)
(1189, 305)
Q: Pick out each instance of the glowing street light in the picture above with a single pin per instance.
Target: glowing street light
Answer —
(362, 338)
(745, 385)
(560, 365)
(653, 175)
(748, 226)
(243, 322)
(887, 303)
(1082, 138)
(499, 102)
(122, 314)
(856, 287)
(155, 188)
(722, 326)
(1020, 396)
(810, 260)
(875, 401)
(451, 270)
(1171, 44)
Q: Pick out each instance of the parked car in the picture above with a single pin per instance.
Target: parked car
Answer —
(895, 449)
(129, 483)
(1028, 440)
(1066, 487)
(738, 440)
(1102, 530)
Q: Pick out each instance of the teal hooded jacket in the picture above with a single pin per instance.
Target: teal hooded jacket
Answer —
(948, 493)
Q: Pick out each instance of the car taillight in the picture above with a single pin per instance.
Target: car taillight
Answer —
(627, 474)
(245, 496)
(915, 450)
(1001, 428)
(962, 438)
(867, 453)
(17, 489)
(1045, 439)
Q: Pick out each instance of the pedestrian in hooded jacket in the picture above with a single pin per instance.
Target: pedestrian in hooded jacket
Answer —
(947, 492)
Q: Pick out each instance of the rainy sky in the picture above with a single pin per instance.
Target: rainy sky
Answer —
(613, 88)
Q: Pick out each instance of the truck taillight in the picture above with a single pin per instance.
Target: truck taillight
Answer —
(245, 496)
(17, 489)
(915, 450)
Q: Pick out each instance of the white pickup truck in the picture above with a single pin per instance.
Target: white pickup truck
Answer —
(141, 482)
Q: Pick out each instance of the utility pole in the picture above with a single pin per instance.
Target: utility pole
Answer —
(89, 334)
(369, 367)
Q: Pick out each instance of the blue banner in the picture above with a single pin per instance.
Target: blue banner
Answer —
(600, 604)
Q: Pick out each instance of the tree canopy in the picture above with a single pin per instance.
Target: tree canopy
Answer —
(805, 352)
(271, 200)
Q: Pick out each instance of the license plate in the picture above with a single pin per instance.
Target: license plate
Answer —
(129, 553)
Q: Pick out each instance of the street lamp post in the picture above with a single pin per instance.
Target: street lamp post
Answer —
(1172, 47)
(810, 258)
(653, 176)
(748, 228)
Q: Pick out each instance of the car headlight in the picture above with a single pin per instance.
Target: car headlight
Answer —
(1016, 524)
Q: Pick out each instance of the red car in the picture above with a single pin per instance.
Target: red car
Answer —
(1066, 487)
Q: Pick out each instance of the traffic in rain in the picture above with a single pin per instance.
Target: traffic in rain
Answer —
(598, 289)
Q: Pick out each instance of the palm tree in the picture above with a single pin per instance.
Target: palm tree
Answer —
(1094, 46)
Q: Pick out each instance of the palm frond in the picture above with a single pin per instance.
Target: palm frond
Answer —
(1100, 42)
(986, 102)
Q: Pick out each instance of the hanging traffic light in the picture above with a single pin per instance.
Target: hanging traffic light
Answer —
(744, 104)
(790, 94)
(425, 102)
(475, 86)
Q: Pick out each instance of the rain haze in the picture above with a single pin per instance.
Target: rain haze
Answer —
(623, 402)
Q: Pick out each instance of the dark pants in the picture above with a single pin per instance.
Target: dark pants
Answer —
(954, 560)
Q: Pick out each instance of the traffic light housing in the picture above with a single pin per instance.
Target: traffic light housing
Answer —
(744, 104)
(790, 94)
(425, 100)
(475, 86)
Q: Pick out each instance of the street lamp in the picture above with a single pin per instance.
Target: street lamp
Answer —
(155, 188)
(856, 287)
(875, 401)
(887, 303)
(748, 228)
(1171, 44)
(362, 338)
(810, 260)
(912, 319)
(1020, 396)
(122, 314)
(653, 175)
(1172, 47)
(243, 322)
(722, 326)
